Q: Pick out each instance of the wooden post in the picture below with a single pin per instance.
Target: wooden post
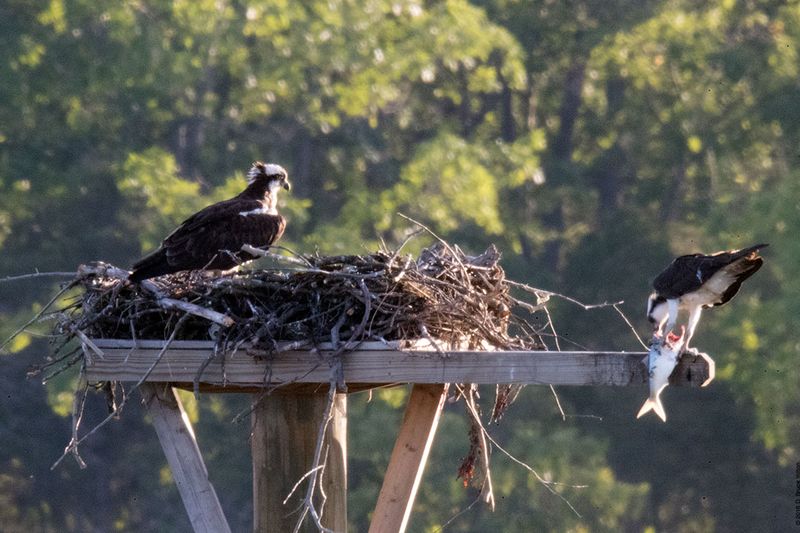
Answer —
(409, 456)
(188, 470)
(284, 436)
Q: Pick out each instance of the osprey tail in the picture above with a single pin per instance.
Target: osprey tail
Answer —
(151, 266)
(747, 251)
(745, 263)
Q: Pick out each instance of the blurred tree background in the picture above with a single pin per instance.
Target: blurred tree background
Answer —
(589, 140)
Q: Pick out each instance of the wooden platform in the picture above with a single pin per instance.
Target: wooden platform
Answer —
(285, 426)
(372, 364)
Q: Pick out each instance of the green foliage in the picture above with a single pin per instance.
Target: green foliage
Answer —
(590, 141)
(447, 184)
(150, 183)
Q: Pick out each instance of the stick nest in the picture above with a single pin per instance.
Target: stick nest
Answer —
(445, 295)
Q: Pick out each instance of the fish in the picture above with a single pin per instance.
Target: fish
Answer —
(661, 361)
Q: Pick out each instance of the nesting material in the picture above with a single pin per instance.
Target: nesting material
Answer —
(444, 295)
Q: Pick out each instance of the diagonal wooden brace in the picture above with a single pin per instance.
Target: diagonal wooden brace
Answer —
(188, 469)
(410, 453)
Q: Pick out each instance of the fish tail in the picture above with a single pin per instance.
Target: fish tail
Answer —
(653, 404)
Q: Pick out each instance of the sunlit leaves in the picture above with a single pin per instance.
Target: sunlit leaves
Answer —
(150, 180)
(54, 16)
(447, 184)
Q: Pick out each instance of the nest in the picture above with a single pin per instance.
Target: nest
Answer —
(444, 295)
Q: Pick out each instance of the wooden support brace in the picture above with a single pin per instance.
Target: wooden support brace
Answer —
(188, 470)
(404, 473)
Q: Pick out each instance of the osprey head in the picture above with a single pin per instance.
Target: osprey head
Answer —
(275, 176)
(657, 308)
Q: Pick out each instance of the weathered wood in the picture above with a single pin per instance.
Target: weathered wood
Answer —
(183, 455)
(418, 344)
(284, 436)
(386, 366)
(409, 456)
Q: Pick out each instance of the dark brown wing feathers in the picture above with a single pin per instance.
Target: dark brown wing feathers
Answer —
(750, 266)
(687, 273)
(211, 239)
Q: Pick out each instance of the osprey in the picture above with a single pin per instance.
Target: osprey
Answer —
(212, 238)
(697, 281)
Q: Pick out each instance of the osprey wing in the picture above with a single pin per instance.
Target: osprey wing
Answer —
(212, 238)
(686, 273)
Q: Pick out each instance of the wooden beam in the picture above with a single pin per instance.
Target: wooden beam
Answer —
(177, 438)
(409, 456)
(385, 366)
(283, 440)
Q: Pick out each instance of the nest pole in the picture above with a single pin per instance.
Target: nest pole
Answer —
(285, 428)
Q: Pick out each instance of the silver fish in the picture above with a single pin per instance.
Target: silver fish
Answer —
(661, 361)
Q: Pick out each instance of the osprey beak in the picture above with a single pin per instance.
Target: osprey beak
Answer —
(287, 185)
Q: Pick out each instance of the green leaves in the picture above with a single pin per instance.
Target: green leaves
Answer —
(590, 141)
(448, 185)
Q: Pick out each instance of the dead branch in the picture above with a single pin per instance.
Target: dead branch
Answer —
(38, 315)
(317, 469)
(38, 274)
(208, 314)
(547, 484)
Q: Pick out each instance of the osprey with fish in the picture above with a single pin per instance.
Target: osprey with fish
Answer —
(695, 282)
(212, 238)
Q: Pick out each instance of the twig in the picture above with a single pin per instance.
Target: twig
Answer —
(299, 481)
(73, 444)
(434, 235)
(408, 238)
(209, 314)
(558, 347)
(317, 466)
(110, 271)
(487, 490)
(260, 252)
(78, 404)
(633, 330)
(38, 274)
(547, 484)
(534, 290)
(458, 514)
(38, 315)
(87, 342)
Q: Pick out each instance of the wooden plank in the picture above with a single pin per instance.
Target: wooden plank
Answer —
(418, 344)
(289, 388)
(389, 366)
(409, 456)
(177, 438)
(284, 436)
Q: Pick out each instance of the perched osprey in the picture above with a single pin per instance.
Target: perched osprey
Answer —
(693, 282)
(212, 238)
